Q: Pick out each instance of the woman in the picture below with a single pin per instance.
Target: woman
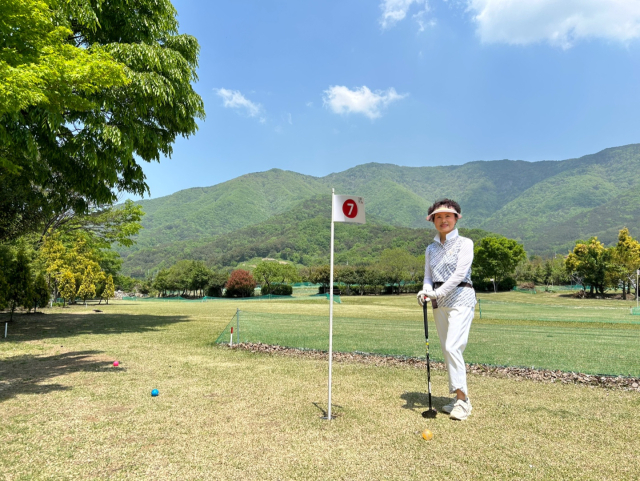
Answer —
(447, 283)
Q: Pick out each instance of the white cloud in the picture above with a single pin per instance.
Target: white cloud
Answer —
(362, 100)
(422, 23)
(558, 22)
(395, 10)
(233, 99)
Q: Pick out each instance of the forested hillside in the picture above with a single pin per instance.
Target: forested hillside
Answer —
(300, 235)
(546, 205)
(203, 212)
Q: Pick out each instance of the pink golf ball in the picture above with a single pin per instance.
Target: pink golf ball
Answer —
(116, 363)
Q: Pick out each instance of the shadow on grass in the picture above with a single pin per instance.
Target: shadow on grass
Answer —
(30, 374)
(334, 414)
(26, 327)
(419, 401)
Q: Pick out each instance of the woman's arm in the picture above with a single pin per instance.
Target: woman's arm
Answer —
(465, 258)
(427, 285)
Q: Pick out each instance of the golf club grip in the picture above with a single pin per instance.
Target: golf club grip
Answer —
(425, 318)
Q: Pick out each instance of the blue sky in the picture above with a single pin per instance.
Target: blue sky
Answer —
(319, 87)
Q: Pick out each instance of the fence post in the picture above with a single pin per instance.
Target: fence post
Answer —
(238, 324)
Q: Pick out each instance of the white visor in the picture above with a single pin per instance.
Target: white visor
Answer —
(443, 208)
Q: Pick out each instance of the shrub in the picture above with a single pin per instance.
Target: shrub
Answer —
(217, 280)
(507, 284)
(214, 291)
(277, 290)
(240, 284)
(413, 287)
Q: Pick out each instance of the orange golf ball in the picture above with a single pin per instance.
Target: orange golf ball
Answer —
(427, 435)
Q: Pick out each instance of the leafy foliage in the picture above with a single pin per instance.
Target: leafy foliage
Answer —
(240, 284)
(625, 260)
(88, 90)
(41, 293)
(589, 263)
(67, 285)
(109, 289)
(497, 258)
(20, 283)
(269, 272)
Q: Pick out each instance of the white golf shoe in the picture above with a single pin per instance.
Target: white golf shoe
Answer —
(461, 410)
(447, 408)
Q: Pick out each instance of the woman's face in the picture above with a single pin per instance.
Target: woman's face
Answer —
(445, 222)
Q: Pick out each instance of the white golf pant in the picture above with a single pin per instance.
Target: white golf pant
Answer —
(453, 324)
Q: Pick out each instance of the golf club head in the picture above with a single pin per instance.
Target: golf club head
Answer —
(429, 413)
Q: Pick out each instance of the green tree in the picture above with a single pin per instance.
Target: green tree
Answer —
(497, 258)
(6, 259)
(199, 277)
(398, 266)
(103, 226)
(288, 274)
(320, 275)
(267, 272)
(20, 283)
(375, 278)
(52, 254)
(179, 278)
(67, 286)
(108, 291)
(161, 282)
(217, 280)
(41, 291)
(559, 274)
(625, 261)
(589, 263)
(87, 288)
(89, 90)
(346, 275)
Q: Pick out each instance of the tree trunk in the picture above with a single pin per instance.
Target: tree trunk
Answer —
(624, 291)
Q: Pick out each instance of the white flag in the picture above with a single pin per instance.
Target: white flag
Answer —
(348, 208)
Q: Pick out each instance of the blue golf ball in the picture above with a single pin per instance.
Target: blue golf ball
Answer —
(154, 392)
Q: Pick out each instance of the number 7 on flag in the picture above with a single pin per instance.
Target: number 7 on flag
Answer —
(348, 208)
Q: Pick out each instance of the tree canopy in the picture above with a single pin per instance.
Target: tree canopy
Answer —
(88, 89)
(589, 263)
(497, 257)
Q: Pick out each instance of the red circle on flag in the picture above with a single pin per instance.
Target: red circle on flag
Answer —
(350, 208)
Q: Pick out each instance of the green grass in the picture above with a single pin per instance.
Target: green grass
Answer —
(557, 333)
(226, 414)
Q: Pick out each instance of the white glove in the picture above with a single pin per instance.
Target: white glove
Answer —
(423, 296)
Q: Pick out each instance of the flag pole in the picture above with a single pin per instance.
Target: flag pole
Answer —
(331, 307)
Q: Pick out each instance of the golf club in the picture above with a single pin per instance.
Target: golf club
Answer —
(430, 413)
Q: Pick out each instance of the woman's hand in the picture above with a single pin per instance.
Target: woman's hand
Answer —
(425, 296)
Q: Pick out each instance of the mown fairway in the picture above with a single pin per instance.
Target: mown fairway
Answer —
(227, 414)
(541, 331)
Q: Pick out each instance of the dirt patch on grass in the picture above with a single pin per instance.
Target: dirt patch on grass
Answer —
(537, 375)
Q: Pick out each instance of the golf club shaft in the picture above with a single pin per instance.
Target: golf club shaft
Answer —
(426, 337)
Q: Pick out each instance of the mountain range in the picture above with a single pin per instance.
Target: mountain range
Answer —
(546, 205)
